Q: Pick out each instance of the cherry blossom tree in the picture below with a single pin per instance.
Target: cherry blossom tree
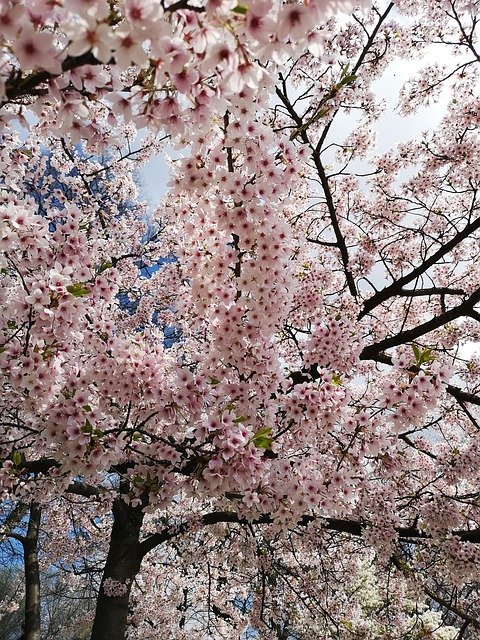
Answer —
(59, 593)
(303, 461)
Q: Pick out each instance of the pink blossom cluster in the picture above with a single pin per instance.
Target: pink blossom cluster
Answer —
(333, 337)
(160, 66)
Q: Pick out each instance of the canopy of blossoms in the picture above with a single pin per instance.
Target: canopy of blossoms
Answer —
(316, 395)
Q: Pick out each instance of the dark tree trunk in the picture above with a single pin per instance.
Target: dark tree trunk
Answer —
(32, 575)
(122, 565)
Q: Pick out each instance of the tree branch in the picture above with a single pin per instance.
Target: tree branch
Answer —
(463, 309)
(396, 287)
(351, 527)
(24, 86)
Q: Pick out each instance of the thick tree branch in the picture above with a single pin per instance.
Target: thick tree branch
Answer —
(21, 86)
(431, 291)
(312, 374)
(352, 527)
(83, 489)
(463, 396)
(397, 287)
(404, 337)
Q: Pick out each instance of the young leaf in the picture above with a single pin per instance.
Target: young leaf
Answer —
(262, 439)
(78, 290)
(416, 353)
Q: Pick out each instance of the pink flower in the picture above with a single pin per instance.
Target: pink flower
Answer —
(172, 52)
(38, 298)
(221, 56)
(220, 6)
(250, 498)
(293, 23)
(88, 35)
(121, 105)
(316, 41)
(128, 49)
(245, 74)
(185, 80)
(10, 20)
(35, 50)
(259, 26)
(88, 77)
(142, 13)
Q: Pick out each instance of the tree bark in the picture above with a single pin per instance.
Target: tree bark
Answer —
(32, 575)
(122, 565)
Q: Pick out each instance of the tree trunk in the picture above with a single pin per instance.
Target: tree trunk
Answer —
(122, 565)
(32, 575)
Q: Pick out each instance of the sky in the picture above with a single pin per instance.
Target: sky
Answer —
(154, 178)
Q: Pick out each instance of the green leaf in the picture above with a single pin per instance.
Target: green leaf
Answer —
(240, 8)
(346, 77)
(422, 356)
(78, 290)
(416, 353)
(16, 458)
(103, 267)
(336, 379)
(427, 355)
(344, 72)
(262, 439)
(87, 428)
(319, 114)
(347, 80)
(404, 567)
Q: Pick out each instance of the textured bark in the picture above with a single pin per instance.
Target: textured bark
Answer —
(32, 575)
(122, 565)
